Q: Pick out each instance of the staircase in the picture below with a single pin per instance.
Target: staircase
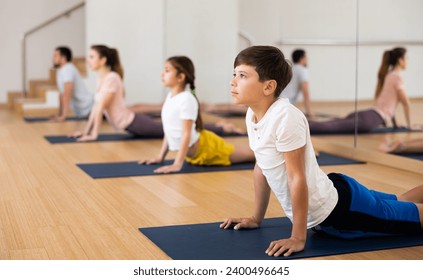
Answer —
(43, 96)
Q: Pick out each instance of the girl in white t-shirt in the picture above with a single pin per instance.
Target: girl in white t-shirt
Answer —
(183, 126)
(109, 100)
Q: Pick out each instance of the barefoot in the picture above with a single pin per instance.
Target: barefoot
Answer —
(389, 146)
(229, 128)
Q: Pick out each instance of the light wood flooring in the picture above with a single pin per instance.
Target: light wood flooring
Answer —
(50, 209)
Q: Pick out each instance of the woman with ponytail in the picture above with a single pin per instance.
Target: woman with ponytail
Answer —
(183, 126)
(389, 93)
(109, 100)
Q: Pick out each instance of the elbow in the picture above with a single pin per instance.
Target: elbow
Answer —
(296, 181)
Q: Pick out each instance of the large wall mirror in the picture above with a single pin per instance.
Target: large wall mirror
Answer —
(327, 31)
(344, 41)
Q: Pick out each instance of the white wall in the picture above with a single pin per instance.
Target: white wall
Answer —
(147, 32)
(19, 16)
(206, 31)
(332, 69)
(136, 29)
(398, 21)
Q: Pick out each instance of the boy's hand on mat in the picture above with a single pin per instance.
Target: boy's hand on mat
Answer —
(238, 223)
(168, 169)
(285, 247)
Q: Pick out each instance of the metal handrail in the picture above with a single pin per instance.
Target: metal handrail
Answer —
(35, 29)
(247, 37)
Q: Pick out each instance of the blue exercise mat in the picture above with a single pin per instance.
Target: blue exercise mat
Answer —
(46, 119)
(209, 242)
(418, 156)
(379, 130)
(109, 137)
(330, 159)
(105, 137)
(132, 168)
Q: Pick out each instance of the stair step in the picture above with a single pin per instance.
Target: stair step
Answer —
(48, 104)
(12, 96)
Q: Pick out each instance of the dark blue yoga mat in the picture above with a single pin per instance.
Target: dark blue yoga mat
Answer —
(108, 137)
(379, 130)
(45, 119)
(418, 156)
(63, 139)
(209, 242)
(132, 168)
(329, 159)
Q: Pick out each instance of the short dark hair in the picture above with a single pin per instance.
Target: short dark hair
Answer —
(269, 63)
(65, 52)
(297, 55)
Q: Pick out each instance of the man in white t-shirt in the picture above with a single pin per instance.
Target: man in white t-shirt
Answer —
(73, 92)
(299, 82)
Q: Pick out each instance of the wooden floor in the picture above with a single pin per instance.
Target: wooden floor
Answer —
(50, 209)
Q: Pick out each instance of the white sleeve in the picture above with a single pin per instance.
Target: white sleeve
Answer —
(291, 132)
(303, 75)
(68, 75)
(189, 108)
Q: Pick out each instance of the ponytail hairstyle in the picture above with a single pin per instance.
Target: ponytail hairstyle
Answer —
(184, 65)
(390, 58)
(112, 58)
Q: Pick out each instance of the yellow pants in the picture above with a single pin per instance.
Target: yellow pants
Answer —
(212, 150)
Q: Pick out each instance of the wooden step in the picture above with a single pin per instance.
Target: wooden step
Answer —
(81, 64)
(12, 96)
(47, 104)
(35, 84)
(18, 104)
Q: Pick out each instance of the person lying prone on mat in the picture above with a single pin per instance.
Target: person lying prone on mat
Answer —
(390, 92)
(183, 127)
(286, 164)
(110, 101)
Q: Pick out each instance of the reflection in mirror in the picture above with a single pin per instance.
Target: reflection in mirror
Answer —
(399, 98)
(343, 41)
(327, 74)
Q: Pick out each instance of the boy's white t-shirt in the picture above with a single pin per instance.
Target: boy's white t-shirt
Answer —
(182, 106)
(284, 128)
(82, 99)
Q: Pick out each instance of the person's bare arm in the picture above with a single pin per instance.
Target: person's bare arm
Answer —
(306, 98)
(65, 99)
(183, 149)
(162, 154)
(261, 202)
(95, 118)
(405, 101)
(297, 183)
